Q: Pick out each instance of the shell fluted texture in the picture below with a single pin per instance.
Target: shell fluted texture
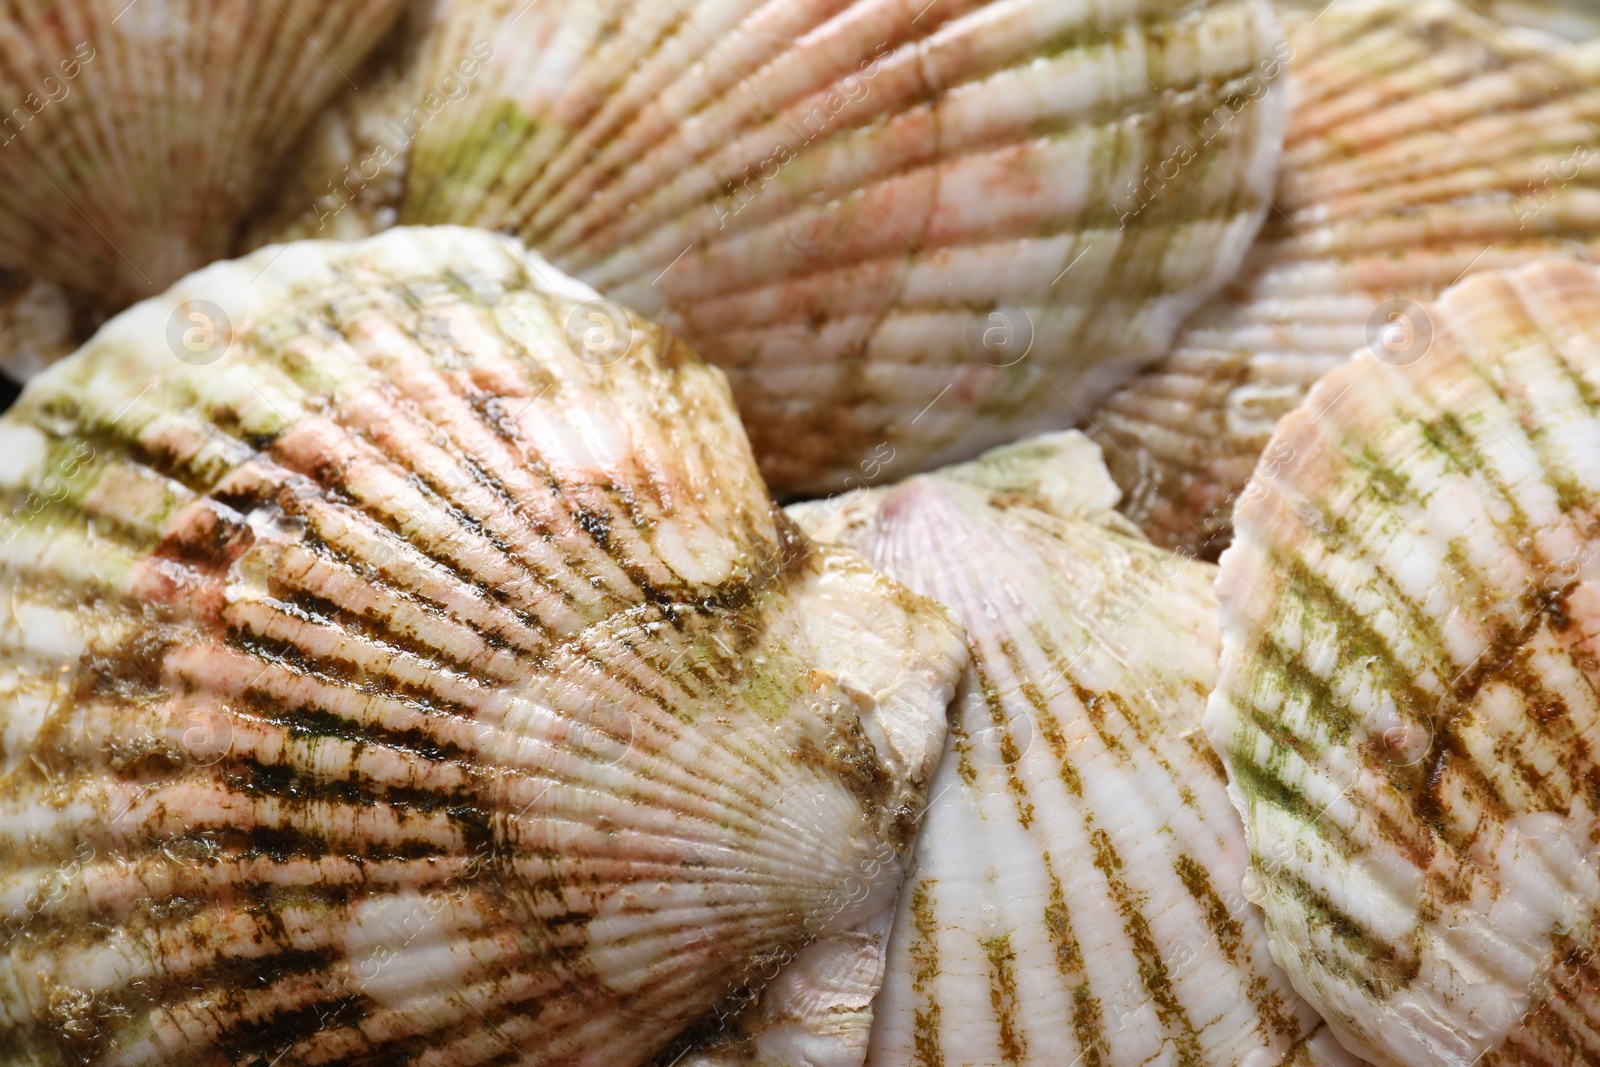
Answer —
(1407, 706)
(1077, 890)
(135, 136)
(388, 680)
(1424, 143)
(902, 229)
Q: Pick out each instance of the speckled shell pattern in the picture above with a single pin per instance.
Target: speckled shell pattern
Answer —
(899, 227)
(1407, 704)
(1425, 143)
(1076, 897)
(135, 136)
(389, 681)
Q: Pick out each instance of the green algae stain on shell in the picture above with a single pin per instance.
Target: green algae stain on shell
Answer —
(1424, 142)
(1407, 704)
(1077, 893)
(406, 686)
(833, 201)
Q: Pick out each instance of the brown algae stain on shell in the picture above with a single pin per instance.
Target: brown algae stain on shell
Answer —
(902, 229)
(1407, 703)
(386, 680)
(1423, 143)
(1077, 891)
(134, 137)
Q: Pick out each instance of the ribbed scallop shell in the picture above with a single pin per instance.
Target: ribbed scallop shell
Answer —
(1076, 897)
(897, 226)
(405, 686)
(1424, 143)
(1408, 702)
(135, 136)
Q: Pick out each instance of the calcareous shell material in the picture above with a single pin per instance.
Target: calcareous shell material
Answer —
(389, 679)
(1424, 143)
(1077, 892)
(1407, 705)
(134, 136)
(907, 229)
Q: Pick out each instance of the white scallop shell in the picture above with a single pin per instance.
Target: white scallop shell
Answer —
(1408, 704)
(1424, 143)
(1077, 892)
(918, 228)
(389, 677)
(134, 136)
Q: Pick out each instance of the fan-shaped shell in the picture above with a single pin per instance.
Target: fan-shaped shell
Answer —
(1424, 143)
(390, 678)
(1076, 896)
(135, 136)
(899, 227)
(1407, 704)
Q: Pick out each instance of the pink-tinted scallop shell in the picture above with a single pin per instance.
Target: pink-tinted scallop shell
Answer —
(391, 672)
(908, 229)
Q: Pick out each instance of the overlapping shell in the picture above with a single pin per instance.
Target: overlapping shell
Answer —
(134, 136)
(391, 677)
(1077, 893)
(1424, 143)
(907, 229)
(1408, 706)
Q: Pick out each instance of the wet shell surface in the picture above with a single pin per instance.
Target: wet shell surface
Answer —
(907, 229)
(1407, 704)
(1076, 897)
(387, 681)
(1424, 144)
(135, 136)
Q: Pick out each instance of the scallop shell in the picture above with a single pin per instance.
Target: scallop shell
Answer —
(1076, 896)
(389, 679)
(1424, 143)
(918, 228)
(1407, 703)
(135, 136)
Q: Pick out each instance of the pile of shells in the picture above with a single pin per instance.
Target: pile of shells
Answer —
(1424, 144)
(634, 534)
(899, 233)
